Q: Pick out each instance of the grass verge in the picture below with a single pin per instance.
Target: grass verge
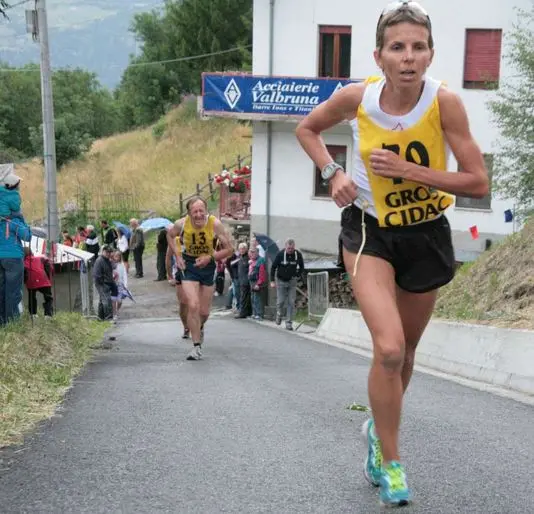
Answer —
(37, 365)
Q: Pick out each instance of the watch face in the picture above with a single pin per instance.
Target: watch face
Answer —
(328, 171)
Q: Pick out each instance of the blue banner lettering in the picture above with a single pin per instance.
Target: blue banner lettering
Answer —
(250, 94)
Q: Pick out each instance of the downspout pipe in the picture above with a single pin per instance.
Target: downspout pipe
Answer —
(269, 125)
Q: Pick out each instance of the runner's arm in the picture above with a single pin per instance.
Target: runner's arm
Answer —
(339, 107)
(225, 241)
(173, 231)
(168, 262)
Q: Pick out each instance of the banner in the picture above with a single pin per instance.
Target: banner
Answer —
(252, 94)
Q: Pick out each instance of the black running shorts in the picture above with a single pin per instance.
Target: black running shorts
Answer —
(204, 276)
(422, 255)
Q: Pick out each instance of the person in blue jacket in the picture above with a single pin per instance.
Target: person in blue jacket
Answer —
(10, 202)
(12, 233)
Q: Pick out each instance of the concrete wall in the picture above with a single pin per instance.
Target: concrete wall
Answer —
(296, 48)
(496, 356)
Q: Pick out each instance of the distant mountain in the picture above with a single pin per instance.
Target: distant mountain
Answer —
(90, 34)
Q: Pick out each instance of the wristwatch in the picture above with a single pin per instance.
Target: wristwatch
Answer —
(329, 171)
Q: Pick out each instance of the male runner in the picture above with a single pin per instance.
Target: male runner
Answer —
(198, 232)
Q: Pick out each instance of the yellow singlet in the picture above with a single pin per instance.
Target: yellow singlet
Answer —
(197, 242)
(399, 202)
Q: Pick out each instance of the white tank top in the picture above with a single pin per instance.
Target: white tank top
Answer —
(371, 105)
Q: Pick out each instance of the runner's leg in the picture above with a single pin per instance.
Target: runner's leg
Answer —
(206, 298)
(415, 311)
(182, 308)
(191, 291)
(375, 292)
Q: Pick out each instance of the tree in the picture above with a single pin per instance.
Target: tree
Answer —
(20, 106)
(3, 7)
(83, 110)
(513, 112)
(182, 29)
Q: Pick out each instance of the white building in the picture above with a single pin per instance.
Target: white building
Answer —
(335, 38)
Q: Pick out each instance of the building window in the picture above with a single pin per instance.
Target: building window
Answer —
(478, 203)
(334, 51)
(339, 154)
(482, 64)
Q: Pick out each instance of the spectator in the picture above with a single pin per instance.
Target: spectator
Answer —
(12, 233)
(37, 277)
(10, 202)
(124, 248)
(161, 247)
(257, 276)
(219, 278)
(79, 238)
(104, 283)
(120, 278)
(109, 234)
(245, 308)
(137, 245)
(288, 265)
(67, 240)
(91, 241)
(232, 267)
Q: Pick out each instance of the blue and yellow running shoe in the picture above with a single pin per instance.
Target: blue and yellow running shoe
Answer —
(372, 469)
(394, 490)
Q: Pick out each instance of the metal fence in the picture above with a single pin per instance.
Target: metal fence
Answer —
(318, 294)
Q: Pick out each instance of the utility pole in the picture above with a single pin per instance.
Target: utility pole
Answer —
(49, 134)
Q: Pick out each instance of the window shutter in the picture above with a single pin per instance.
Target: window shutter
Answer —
(482, 55)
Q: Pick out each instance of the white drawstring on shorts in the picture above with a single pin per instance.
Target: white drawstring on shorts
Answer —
(365, 205)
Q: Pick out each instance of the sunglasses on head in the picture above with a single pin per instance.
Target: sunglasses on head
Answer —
(400, 4)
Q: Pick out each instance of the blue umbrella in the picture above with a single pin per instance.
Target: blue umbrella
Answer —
(124, 228)
(155, 224)
(270, 247)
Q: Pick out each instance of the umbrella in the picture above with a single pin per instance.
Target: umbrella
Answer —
(124, 228)
(39, 232)
(270, 247)
(126, 294)
(155, 224)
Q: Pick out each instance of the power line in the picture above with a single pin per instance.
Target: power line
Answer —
(179, 59)
(11, 6)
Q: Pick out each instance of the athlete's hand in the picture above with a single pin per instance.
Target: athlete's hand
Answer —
(273, 284)
(180, 263)
(386, 163)
(202, 261)
(343, 190)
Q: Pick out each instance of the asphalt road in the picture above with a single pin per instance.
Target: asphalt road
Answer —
(260, 425)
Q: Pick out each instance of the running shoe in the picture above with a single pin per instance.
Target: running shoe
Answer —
(394, 490)
(372, 468)
(195, 354)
